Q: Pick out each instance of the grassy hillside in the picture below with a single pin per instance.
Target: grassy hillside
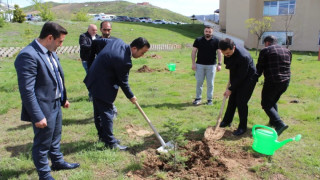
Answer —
(19, 35)
(120, 8)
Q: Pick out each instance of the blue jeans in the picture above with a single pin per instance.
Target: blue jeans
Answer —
(85, 66)
(208, 72)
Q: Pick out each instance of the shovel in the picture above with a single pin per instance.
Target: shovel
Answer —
(164, 146)
(216, 133)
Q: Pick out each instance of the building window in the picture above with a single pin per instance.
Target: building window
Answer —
(281, 37)
(275, 8)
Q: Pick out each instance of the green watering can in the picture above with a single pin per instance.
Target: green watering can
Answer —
(265, 140)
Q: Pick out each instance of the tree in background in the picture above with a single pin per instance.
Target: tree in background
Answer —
(287, 21)
(258, 27)
(18, 15)
(81, 16)
(193, 18)
(44, 9)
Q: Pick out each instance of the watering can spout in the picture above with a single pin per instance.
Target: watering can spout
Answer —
(280, 144)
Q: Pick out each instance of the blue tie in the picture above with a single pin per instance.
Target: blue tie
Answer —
(57, 74)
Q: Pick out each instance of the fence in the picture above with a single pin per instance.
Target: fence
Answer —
(12, 51)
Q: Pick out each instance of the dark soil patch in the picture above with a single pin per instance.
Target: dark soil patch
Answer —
(154, 56)
(146, 69)
(207, 160)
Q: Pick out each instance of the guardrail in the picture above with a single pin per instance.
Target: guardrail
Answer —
(12, 51)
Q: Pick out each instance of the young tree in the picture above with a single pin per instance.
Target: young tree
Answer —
(287, 20)
(193, 18)
(44, 9)
(18, 15)
(258, 27)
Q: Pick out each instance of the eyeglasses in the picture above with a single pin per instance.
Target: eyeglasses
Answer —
(106, 29)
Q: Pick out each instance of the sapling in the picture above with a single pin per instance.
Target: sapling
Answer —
(176, 136)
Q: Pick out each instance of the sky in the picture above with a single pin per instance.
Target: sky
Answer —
(184, 7)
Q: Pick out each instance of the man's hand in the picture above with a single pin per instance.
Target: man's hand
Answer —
(133, 100)
(227, 93)
(194, 66)
(41, 124)
(218, 67)
(66, 105)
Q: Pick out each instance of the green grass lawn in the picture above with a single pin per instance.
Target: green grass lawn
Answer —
(163, 95)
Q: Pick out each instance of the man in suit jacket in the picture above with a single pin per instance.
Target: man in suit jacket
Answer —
(109, 71)
(42, 90)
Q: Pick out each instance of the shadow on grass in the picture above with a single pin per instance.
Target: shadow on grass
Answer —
(66, 122)
(66, 148)
(179, 106)
(9, 173)
(78, 99)
(21, 127)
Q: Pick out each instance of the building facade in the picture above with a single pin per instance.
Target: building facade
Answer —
(301, 16)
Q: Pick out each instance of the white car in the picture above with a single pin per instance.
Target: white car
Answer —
(158, 21)
(101, 17)
(145, 19)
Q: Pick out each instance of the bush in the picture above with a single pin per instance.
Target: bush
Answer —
(81, 16)
(18, 15)
(2, 22)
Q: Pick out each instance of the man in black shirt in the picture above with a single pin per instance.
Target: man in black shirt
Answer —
(242, 82)
(206, 49)
(274, 62)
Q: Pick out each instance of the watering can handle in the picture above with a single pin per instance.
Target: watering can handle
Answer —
(264, 127)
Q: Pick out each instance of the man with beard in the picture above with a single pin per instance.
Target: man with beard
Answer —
(205, 48)
(242, 82)
(99, 43)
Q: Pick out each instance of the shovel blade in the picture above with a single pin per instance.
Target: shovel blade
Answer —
(164, 149)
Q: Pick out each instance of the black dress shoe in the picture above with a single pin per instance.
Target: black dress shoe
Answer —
(224, 124)
(281, 128)
(117, 146)
(239, 132)
(118, 141)
(64, 165)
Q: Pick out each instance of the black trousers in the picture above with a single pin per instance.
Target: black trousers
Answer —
(239, 99)
(103, 115)
(271, 93)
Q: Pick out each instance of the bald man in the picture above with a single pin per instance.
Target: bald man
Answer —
(85, 42)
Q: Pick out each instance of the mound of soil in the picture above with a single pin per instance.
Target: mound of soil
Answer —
(206, 160)
(154, 56)
(145, 68)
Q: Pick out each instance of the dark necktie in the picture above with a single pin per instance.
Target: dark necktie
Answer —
(57, 74)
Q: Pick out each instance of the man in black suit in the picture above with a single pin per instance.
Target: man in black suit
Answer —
(85, 41)
(242, 82)
(109, 71)
(97, 45)
(42, 90)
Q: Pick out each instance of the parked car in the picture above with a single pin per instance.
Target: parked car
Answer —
(31, 17)
(145, 19)
(101, 17)
(122, 18)
(134, 19)
(158, 21)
